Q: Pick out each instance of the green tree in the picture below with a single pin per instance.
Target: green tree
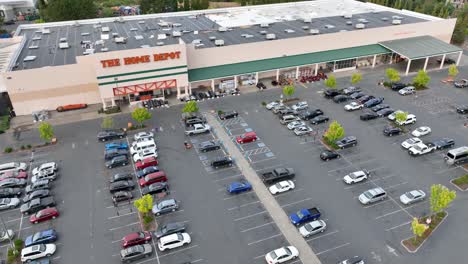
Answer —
(107, 123)
(144, 204)
(461, 27)
(46, 132)
(190, 107)
(186, 5)
(356, 77)
(334, 132)
(452, 70)
(421, 79)
(418, 229)
(141, 115)
(289, 90)
(441, 197)
(401, 116)
(392, 75)
(64, 10)
(331, 82)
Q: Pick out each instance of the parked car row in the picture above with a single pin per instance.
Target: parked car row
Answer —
(154, 103)
(209, 94)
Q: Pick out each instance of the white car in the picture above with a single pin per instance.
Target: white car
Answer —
(392, 116)
(410, 142)
(8, 203)
(294, 124)
(173, 241)
(281, 255)
(45, 167)
(271, 105)
(312, 228)
(6, 235)
(410, 119)
(282, 186)
(145, 154)
(421, 131)
(300, 131)
(407, 90)
(198, 129)
(143, 135)
(353, 106)
(300, 106)
(37, 251)
(355, 177)
(412, 197)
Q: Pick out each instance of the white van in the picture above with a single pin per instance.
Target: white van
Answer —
(140, 146)
(457, 156)
(13, 166)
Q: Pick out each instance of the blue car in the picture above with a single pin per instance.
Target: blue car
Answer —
(42, 237)
(116, 145)
(373, 102)
(238, 187)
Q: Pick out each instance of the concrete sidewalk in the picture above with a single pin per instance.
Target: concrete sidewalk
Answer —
(278, 215)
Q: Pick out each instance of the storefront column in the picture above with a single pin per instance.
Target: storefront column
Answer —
(297, 72)
(178, 92)
(459, 58)
(407, 67)
(316, 69)
(442, 62)
(373, 62)
(391, 58)
(256, 78)
(277, 75)
(190, 89)
(235, 81)
(113, 101)
(104, 106)
(212, 85)
(334, 66)
(186, 89)
(425, 63)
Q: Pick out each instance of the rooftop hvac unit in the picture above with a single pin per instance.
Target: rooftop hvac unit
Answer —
(199, 45)
(29, 58)
(85, 34)
(307, 20)
(105, 29)
(176, 33)
(160, 43)
(314, 31)
(97, 25)
(134, 29)
(360, 26)
(212, 38)
(289, 31)
(76, 24)
(176, 25)
(162, 36)
(222, 29)
(348, 16)
(343, 30)
(219, 42)
(88, 52)
(64, 45)
(120, 40)
(329, 26)
(163, 24)
(195, 32)
(305, 27)
(196, 41)
(104, 49)
(141, 22)
(121, 20)
(105, 36)
(349, 22)
(363, 20)
(33, 47)
(37, 38)
(248, 36)
(115, 34)
(397, 17)
(63, 39)
(263, 32)
(145, 46)
(396, 22)
(264, 25)
(270, 36)
(139, 37)
(99, 42)
(384, 18)
(45, 31)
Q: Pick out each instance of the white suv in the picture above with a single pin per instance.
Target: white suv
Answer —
(143, 135)
(37, 251)
(139, 156)
(410, 119)
(13, 166)
(45, 167)
(173, 241)
(372, 196)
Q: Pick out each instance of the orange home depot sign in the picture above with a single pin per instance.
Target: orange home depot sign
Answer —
(141, 59)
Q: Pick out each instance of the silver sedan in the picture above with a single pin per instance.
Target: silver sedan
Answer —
(412, 197)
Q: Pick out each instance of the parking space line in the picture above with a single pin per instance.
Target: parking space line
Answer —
(255, 227)
(331, 249)
(196, 261)
(222, 170)
(324, 235)
(248, 216)
(381, 202)
(400, 210)
(263, 239)
(116, 228)
(295, 190)
(227, 178)
(244, 205)
(117, 216)
(447, 170)
(369, 181)
(178, 251)
(393, 186)
(253, 162)
(391, 228)
(237, 195)
(296, 202)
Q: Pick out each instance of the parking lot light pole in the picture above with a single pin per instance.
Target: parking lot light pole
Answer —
(281, 99)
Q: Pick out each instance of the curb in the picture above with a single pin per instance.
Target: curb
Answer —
(427, 238)
(460, 189)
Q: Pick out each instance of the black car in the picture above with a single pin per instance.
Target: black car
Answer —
(154, 188)
(379, 107)
(121, 186)
(121, 177)
(227, 115)
(385, 112)
(365, 98)
(117, 162)
(112, 153)
(368, 116)
(9, 22)
(462, 109)
(357, 95)
(168, 229)
(222, 162)
(373, 102)
(346, 142)
(209, 146)
(146, 171)
(110, 135)
(330, 93)
(319, 119)
(443, 143)
(397, 86)
(261, 86)
(446, 61)
(309, 114)
(191, 121)
(391, 131)
(36, 194)
(121, 196)
(329, 155)
(37, 205)
(341, 98)
(9, 192)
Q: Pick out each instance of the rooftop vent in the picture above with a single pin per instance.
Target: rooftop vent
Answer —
(45, 31)
(264, 25)
(348, 16)
(396, 22)
(176, 33)
(263, 32)
(141, 22)
(33, 47)
(121, 20)
(329, 26)
(212, 38)
(222, 29)
(247, 35)
(85, 34)
(163, 24)
(139, 37)
(29, 58)
(397, 17)
(97, 25)
(360, 26)
(270, 36)
(384, 18)
(363, 21)
(104, 49)
(349, 22)
(76, 24)
(160, 43)
(307, 20)
(185, 31)
(199, 45)
(134, 29)
(314, 31)
(343, 30)
(289, 31)
(37, 38)
(196, 41)
(105, 29)
(176, 25)
(305, 27)
(219, 42)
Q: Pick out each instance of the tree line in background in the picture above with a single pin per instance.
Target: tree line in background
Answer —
(438, 8)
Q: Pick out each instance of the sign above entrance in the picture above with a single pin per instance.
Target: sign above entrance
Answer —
(140, 59)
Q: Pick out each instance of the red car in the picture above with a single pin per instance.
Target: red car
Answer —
(13, 174)
(159, 176)
(246, 138)
(43, 215)
(71, 107)
(150, 161)
(136, 238)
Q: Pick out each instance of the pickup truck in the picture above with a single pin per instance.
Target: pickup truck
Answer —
(37, 205)
(198, 129)
(305, 215)
(421, 149)
(277, 175)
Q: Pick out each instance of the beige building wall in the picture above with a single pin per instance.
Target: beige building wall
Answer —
(199, 58)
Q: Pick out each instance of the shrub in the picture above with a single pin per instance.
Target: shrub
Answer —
(387, 84)
(112, 110)
(23, 147)
(4, 123)
(29, 146)
(264, 103)
(8, 150)
(147, 219)
(18, 244)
